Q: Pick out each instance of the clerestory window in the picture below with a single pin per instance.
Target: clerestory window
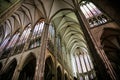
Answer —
(10, 45)
(84, 66)
(93, 15)
(23, 39)
(36, 35)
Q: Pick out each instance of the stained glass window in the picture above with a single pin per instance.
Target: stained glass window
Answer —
(95, 8)
(91, 65)
(87, 62)
(58, 44)
(38, 30)
(51, 33)
(87, 11)
(84, 65)
(59, 47)
(93, 15)
(81, 78)
(11, 45)
(23, 38)
(51, 38)
(78, 64)
(84, 12)
(13, 41)
(36, 35)
(91, 76)
(4, 43)
(86, 77)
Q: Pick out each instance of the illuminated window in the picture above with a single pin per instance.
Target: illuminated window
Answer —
(93, 15)
(84, 66)
(11, 45)
(81, 78)
(78, 64)
(83, 63)
(4, 43)
(86, 77)
(51, 33)
(24, 35)
(36, 35)
(91, 65)
(51, 38)
(87, 62)
(59, 44)
(23, 38)
(13, 41)
(59, 48)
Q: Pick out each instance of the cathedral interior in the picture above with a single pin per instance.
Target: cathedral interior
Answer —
(59, 40)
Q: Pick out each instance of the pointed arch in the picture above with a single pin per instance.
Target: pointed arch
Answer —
(65, 76)
(49, 69)
(8, 72)
(59, 73)
(28, 68)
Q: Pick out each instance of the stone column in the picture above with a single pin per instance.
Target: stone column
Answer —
(39, 72)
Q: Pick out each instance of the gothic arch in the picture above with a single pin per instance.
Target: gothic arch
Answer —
(26, 58)
(23, 39)
(59, 73)
(49, 69)
(65, 76)
(8, 73)
(110, 41)
(10, 44)
(28, 68)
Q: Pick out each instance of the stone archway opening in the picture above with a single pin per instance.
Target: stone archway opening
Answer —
(28, 70)
(49, 69)
(65, 76)
(8, 74)
(59, 74)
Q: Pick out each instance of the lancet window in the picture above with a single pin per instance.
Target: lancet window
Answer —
(11, 45)
(51, 37)
(36, 35)
(23, 39)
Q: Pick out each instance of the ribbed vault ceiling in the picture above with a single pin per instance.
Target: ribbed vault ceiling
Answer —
(58, 12)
